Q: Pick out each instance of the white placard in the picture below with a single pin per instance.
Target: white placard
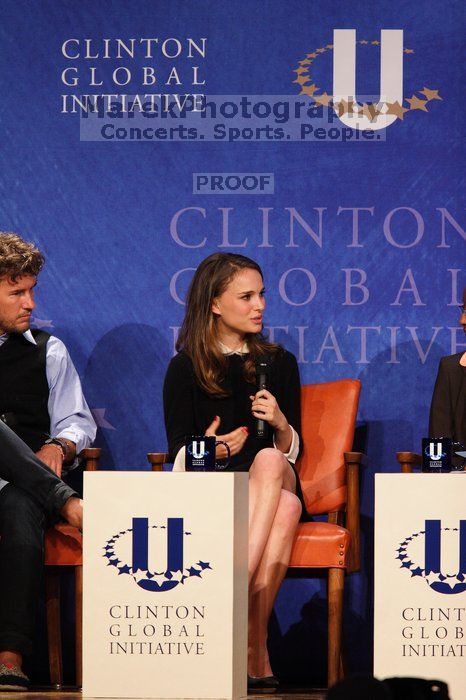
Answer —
(420, 578)
(165, 585)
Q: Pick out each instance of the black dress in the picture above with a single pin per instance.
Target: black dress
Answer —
(448, 408)
(189, 410)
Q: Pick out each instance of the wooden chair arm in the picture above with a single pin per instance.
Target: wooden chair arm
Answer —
(355, 458)
(157, 460)
(90, 456)
(352, 461)
(407, 460)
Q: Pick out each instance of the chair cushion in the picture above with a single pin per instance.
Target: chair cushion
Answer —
(63, 546)
(320, 545)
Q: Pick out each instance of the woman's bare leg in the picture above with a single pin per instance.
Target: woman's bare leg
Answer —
(267, 581)
(274, 513)
(269, 474)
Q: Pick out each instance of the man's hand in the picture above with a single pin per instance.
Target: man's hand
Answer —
(235, 440)
(52, 456)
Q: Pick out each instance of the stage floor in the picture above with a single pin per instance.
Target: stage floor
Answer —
(46, 694)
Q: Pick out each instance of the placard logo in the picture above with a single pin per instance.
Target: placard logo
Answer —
(367, 115)
(132, 551)
(432, 551)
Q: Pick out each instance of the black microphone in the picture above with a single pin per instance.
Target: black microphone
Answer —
(262, 379)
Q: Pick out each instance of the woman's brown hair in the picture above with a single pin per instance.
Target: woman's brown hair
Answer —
(198, 334)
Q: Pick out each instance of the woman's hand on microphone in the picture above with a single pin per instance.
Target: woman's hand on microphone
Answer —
(235, 440)
(265, 407)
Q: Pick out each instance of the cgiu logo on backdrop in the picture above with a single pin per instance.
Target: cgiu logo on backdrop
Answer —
(153, 555)
(388, 106)
(437, 554)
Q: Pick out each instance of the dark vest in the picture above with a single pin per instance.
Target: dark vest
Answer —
(24, 390)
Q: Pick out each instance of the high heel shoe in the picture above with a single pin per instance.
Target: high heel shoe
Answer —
(263, 684)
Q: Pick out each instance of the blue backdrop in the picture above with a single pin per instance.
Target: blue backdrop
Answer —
(361, 241)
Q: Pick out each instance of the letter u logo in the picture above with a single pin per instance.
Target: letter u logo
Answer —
(433, 557)
(391, 75)
(435, 450)
(198, 449)
(141, 552)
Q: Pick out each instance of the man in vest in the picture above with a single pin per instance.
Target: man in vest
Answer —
(42, 404)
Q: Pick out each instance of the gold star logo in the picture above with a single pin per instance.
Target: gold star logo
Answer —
(344, 107)
(430, 94)
(396, 109)
(349, 106)
(323, 99)
(416, 103)
(301, 79)
(308, 89)
(370, 111)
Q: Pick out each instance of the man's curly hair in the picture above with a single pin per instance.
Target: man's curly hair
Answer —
(17, 257)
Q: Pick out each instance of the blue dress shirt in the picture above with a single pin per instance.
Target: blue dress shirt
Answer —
(69, 413)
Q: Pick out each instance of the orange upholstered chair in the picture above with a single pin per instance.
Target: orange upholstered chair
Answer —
(329, 475)
(63, 550)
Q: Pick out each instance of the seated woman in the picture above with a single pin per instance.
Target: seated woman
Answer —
(210, 389)
(448, 408)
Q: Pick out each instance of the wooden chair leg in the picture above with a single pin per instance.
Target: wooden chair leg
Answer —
(343, 666)
(78, 577)
(336, 582)
(52, 601)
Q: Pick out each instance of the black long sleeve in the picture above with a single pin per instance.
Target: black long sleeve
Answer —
(190, 411)
(441, 421)
(179, 403)
(448, 408)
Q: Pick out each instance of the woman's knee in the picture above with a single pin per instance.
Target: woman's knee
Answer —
(269, 464)
(289, 510)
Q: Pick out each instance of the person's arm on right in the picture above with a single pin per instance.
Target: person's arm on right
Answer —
(441, 418)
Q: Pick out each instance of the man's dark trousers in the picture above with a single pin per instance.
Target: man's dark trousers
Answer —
(33, 498)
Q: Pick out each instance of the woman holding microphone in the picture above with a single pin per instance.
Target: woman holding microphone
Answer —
(210, 389)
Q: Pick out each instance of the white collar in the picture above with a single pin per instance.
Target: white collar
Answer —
(28, 335)
(243, 350)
